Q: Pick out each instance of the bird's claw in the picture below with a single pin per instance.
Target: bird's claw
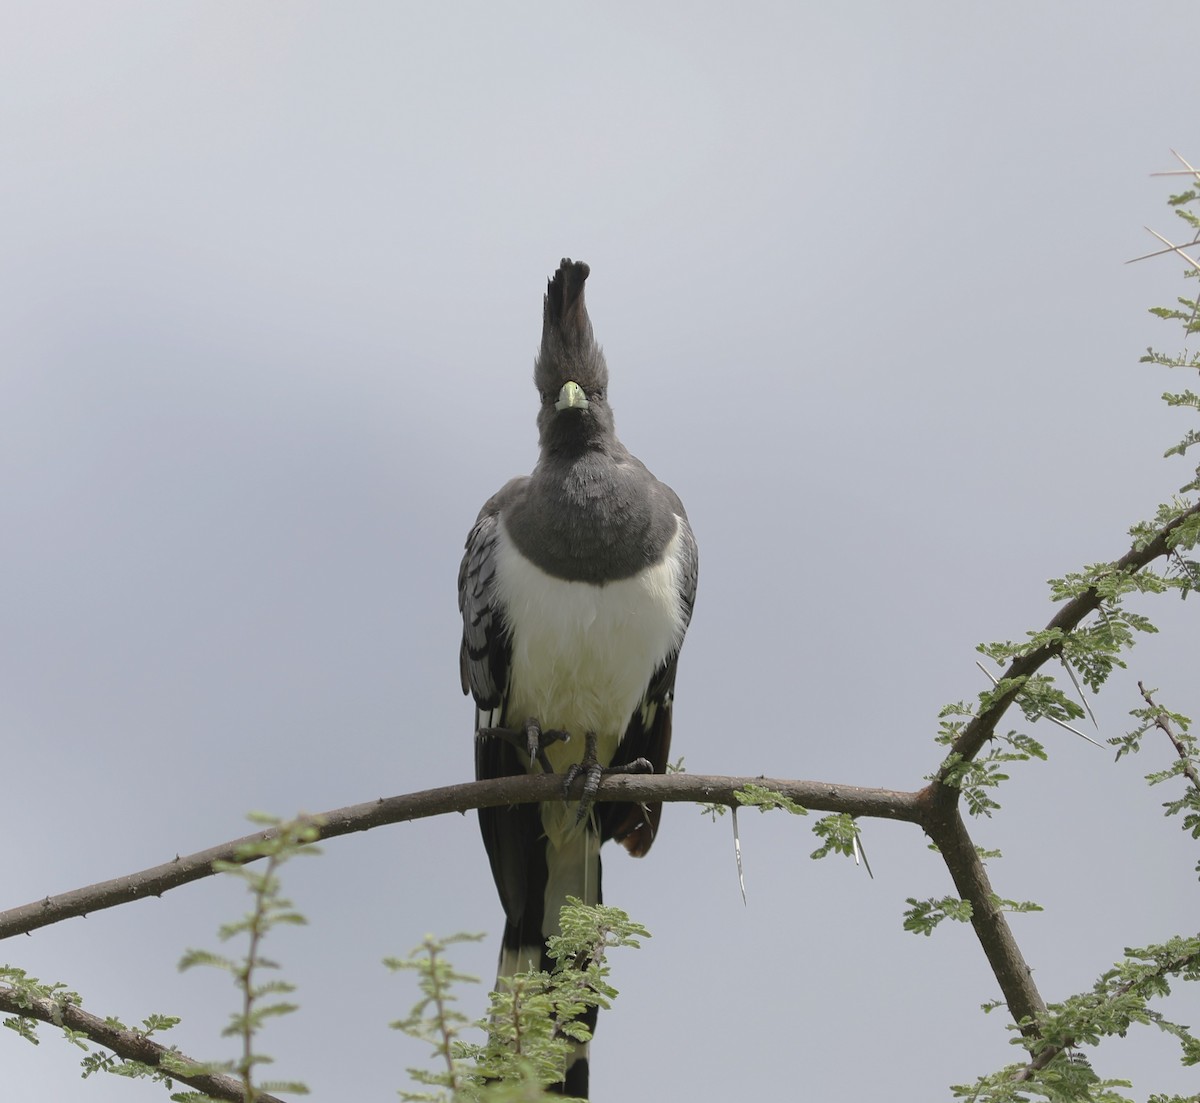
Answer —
(592, 771)
(529, 740)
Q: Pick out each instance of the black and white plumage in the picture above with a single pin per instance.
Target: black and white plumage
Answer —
(576, 590)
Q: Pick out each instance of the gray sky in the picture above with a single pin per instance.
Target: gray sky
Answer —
(270, 291)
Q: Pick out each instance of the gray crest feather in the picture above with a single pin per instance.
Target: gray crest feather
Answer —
(569, 350)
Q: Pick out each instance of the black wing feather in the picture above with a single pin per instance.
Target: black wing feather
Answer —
(510, 835)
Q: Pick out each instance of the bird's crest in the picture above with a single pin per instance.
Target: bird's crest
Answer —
(565, 312)
(569, 349)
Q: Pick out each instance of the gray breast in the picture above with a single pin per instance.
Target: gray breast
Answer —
(596, 519)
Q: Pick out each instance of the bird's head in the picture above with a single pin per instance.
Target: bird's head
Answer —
(570, 373)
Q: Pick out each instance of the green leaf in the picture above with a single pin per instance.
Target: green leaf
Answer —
(766, 800)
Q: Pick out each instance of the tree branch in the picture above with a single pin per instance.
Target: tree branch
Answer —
(641, 788)
(945, 827)
(127, 1044)
(949, 833)
(1050, 1052)
(1163, 723)
(1068, 618)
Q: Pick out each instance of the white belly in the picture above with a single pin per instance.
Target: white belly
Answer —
(582, 654)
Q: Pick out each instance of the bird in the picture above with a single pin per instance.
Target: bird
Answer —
(576, 589)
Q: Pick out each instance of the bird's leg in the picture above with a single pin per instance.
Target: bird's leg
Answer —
(529, 739)
(592, 771)
(589, 766)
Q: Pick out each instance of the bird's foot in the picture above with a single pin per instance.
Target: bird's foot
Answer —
(529, 739)
(591, 770)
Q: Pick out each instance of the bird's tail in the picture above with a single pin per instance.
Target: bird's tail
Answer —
(571, 867)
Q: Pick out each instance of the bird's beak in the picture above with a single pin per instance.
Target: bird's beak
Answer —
(571, 397)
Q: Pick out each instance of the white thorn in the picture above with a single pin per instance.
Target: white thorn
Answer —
(1060, 723)
(1079, 690)
(861, 851)
(994, 679)
(1075, 731)
(737, 850)
(1172, 247)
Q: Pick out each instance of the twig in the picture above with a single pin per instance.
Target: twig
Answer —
(1045, 1056)
(982, 727)
(1163, 723)
(634, 788)
(1185, 568)
(127, 1044)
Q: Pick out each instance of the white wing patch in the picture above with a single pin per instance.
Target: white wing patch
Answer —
(583, 655)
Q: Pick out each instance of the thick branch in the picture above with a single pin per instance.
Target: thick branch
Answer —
(1068, 618)
(645, 788)
(1012, 972)
(948, 832)
(127, 1044)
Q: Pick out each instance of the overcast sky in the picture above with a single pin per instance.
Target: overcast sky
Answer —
(270, 290)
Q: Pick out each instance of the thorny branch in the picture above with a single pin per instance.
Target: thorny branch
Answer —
(982, 727)
(1012, 972)
(1163, 723)
(1047, 1054)
(638, 788)
(127, 1044)
(944, 825)
(934, 808)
